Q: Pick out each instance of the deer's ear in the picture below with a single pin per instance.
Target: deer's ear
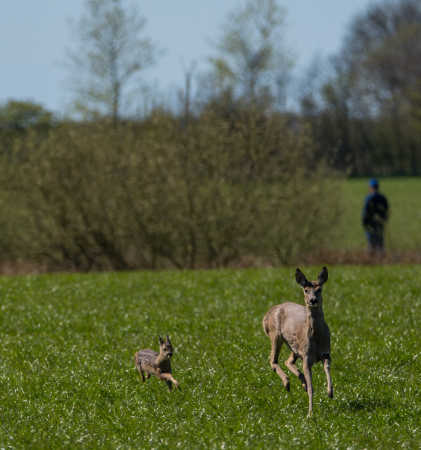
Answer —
(323, 276)
(168, 340)
(161, 341)
(300, 278)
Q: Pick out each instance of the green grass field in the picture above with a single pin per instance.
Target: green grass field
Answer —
(68, 381)
(403, 229)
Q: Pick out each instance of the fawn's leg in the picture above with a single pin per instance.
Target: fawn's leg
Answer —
(326, 367)
(274, 354)
(290, 363)
(307, 375)
(139, 367)
(168, 378)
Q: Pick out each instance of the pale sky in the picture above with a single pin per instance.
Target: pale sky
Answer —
(35, 33)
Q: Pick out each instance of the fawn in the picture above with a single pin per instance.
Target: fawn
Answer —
(304, 330)
(157, 364)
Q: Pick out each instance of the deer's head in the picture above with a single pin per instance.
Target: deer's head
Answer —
(165, 347)
(312, 289)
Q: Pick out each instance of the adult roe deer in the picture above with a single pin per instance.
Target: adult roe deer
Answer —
(157, 364)
(304, 330)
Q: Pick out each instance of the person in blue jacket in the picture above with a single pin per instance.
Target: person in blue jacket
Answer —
(374, 217)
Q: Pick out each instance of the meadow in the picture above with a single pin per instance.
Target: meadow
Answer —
(68, 380)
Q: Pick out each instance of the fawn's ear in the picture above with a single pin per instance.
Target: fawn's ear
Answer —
(323, 276)
(161, 341)
(300, 278)
(168, 340)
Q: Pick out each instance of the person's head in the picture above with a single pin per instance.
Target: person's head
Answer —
(374, 185)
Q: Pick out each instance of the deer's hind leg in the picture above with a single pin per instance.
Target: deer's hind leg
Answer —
(326, 366)
(290, 363)
(308, 377)
(277, 342)
(139, 367)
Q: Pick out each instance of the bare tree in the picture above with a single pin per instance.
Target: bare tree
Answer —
(108, 56)
(250, 60)
(185, 96)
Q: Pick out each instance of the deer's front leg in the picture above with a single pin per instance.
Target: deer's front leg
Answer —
(169, 379)
(326, 367)
(308, 378)
(290, 363)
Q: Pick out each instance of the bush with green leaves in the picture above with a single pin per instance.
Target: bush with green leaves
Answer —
(209, 193)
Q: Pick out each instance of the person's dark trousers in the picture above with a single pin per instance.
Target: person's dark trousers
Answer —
(375, 241)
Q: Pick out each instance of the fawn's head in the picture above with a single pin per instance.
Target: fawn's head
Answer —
(312, 289)
(165, 347)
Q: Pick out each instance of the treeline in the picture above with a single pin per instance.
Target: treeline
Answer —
(366, 113)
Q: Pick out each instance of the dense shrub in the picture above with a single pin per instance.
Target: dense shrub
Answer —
(157, 194)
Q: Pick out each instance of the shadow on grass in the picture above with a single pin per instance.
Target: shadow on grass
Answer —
(366, 404)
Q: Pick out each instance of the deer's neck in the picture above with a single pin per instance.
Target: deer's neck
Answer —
(315, 319)
(160, 359)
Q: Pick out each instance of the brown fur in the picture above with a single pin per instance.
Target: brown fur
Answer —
(157, 364)
(305, 332)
